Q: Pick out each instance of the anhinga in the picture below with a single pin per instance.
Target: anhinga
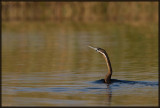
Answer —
(107, 78)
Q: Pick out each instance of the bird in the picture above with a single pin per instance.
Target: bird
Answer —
(107, 78)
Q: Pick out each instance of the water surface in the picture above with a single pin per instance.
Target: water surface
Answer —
(51, 65)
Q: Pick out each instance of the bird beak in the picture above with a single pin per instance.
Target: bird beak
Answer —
(93, 48)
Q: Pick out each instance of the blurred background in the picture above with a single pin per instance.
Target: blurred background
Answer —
(46, 60)
(118, 12)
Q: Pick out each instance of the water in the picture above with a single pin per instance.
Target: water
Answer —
(51, 65)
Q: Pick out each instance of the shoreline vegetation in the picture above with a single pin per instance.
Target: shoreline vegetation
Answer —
(84, 12)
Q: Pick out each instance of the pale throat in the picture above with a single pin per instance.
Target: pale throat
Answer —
(107, 61)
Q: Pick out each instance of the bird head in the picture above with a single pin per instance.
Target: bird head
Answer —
(100, 50)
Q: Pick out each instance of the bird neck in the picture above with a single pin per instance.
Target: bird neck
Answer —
(109, 73)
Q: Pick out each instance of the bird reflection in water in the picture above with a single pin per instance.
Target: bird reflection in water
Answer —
(109, 95)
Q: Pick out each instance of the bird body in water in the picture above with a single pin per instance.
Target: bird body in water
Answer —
(107, 78)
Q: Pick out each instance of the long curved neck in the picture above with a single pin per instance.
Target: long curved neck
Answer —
(109, 73)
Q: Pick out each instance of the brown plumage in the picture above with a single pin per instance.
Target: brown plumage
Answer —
(107, 78)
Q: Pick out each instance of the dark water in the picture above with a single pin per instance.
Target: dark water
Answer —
(51, 65)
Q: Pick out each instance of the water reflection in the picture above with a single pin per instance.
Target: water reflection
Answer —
(51, 65)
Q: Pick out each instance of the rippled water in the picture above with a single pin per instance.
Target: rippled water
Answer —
(51, 65)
